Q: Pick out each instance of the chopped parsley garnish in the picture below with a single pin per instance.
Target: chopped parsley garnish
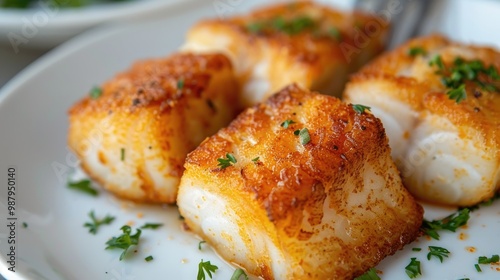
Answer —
(486, 260)
(451, 223)
(437, 61)
(287, 123)
(369, 275)
(95, 223)
(25, 225)
(334, 33)
(278, 23)
(151, 226)
(456, 75)
(256, 159)
(95, 92)
(416, 249)
(148, 258)
(83, 186)
(295, 25)
(413, 268)
(199, 244)
(438, 252)
(180, 84)
(122, 154)
(458, 94)
(303, 135)
(478, 269)
(288, 26)
(360, 109)
(416, 51)
(255, 27)
(124, 241)
(238, 274)
(205, 267)
(226, 162)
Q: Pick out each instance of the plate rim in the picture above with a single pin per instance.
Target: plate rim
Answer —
(88, 14)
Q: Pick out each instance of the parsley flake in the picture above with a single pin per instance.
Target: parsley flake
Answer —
(255, 27)
(296, 25)
(279, 24)
(416, 249)
(148, 258)
(151, 226)
(226, 162)
(416, 51)
(437, 61)
(413, 268)
(457, 94)
(478, 268)
(124, 241)
(83, 186)
(180, 84)
(205, 267)
(456, 75)
(486, 260)
(25, 225)
(95, 92)
(95, 223)
(256, 159)
(369, 275)
(238, 273)
(451, 223)
(438, 252)
(304, 136)
(199, 244)
(122, 154)
(360, 109)
(287, 123)
(334, 33)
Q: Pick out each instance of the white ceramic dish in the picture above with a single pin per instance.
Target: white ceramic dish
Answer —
(55, 245)
(45, 26)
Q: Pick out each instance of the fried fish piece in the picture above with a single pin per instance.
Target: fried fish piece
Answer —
(132, 135)
(440, 104)
(299, 187)
(304, 42)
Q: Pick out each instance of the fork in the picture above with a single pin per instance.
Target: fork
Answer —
(406, 16)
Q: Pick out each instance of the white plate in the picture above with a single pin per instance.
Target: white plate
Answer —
(47, 26)
(55, 245)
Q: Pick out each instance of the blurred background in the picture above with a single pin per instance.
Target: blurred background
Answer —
(31, 28)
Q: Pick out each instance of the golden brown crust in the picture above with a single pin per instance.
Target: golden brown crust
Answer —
(156, 82)
(326, 148)
(153, 114)
(417, 84)
(305, 47)
(293, 184)
(319, 56)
